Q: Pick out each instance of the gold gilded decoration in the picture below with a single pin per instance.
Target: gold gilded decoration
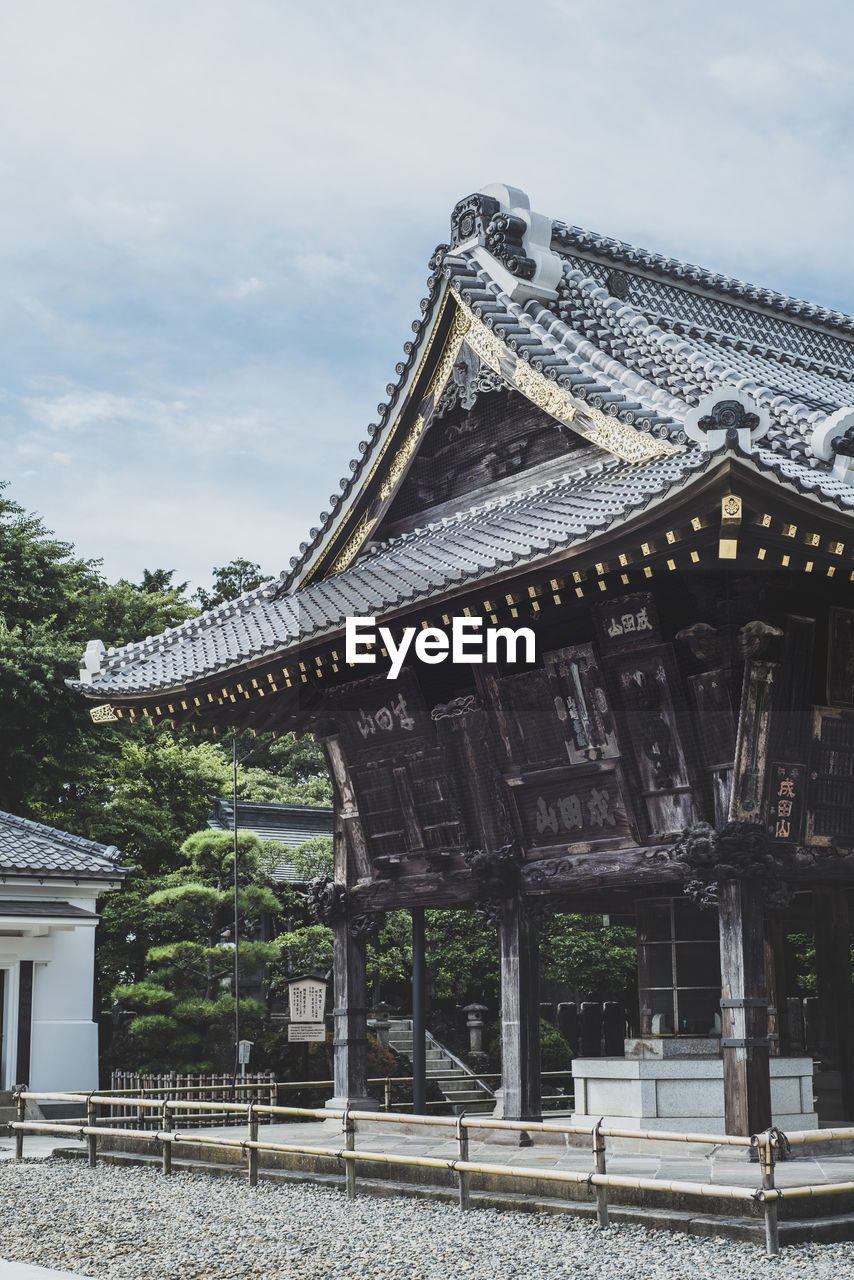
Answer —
(546, 395)
(104, 714)
(485, 345)
(459, 328)
(352, 545)
(597, 427)
(619, 438)
(401, 458)
(731, 507)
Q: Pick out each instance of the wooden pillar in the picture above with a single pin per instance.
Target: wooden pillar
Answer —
(744, 1008)
(350, 1040)
(833, 985)
(518, 943)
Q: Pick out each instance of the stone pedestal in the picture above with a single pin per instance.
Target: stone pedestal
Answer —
(682, 1094)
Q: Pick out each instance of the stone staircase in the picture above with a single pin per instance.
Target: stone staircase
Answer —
(456, 1081)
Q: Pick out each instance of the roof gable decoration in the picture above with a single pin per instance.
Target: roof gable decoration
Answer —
(607, 432)
(500, 261)
(497, 225)
(727, 416)
(833, 441)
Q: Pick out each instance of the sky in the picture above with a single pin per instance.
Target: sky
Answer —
(216, 218)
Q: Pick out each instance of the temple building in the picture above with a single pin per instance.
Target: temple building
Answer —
(648, 469)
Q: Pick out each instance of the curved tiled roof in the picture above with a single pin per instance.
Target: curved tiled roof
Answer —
(32, 849)
(424, 564)
(626, 335)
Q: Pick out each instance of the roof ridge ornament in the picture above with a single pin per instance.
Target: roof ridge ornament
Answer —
(727, 417)
(91, 662)
(496, 224)
(833, 441)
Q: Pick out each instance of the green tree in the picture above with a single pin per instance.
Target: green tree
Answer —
(51, 604)
(314, 858)
(160, 580)
(183, 1007)
(230, 581)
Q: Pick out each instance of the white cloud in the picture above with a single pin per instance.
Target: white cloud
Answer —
(246, 288)
(216, 218)
(120, 220)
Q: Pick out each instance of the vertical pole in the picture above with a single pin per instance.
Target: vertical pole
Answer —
(350, 1145)
(253, 1151)
(518, 941)
(419, 1029)
(166, 1128)
(463, 1154)
(744, 1009)
(236, 915)
(765, 1142)
(19, 1133)
(599, 1159)
(387, 1094)
(91, 1138)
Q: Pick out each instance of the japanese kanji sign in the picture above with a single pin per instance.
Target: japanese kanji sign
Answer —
(785, 801)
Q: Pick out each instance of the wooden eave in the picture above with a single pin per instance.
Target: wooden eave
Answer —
(796, 531)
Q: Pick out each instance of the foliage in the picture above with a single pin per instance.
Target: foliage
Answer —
(595, 960)
(287, 770)
(183, 1006)
(555, 1053)
(160, 580)
(306, 949)
(312, 858)
(462, 958)
(152, 795)
(230, 581)
(51, 604)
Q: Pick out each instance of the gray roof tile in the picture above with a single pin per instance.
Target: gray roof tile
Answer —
(646, 358)
(30, 848)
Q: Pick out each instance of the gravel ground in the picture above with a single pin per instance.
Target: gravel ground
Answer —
(133, 1224)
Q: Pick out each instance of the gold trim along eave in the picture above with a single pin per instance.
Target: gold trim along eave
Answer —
(599, 428)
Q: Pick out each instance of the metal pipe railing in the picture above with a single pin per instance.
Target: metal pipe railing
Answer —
(768, 1145)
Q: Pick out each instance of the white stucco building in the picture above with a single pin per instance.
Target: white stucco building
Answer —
(49, 885)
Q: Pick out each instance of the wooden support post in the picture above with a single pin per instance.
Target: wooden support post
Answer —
(518, 941)
(350, 1041)
(833, 988)
(166, 1127)
(601, 1191)
(765, 1143)
(419, 1029)
(252, 1151)
(744, 1008)
(463, 1154)
(349, 1145)
(92, 1138)
(19, 1133)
